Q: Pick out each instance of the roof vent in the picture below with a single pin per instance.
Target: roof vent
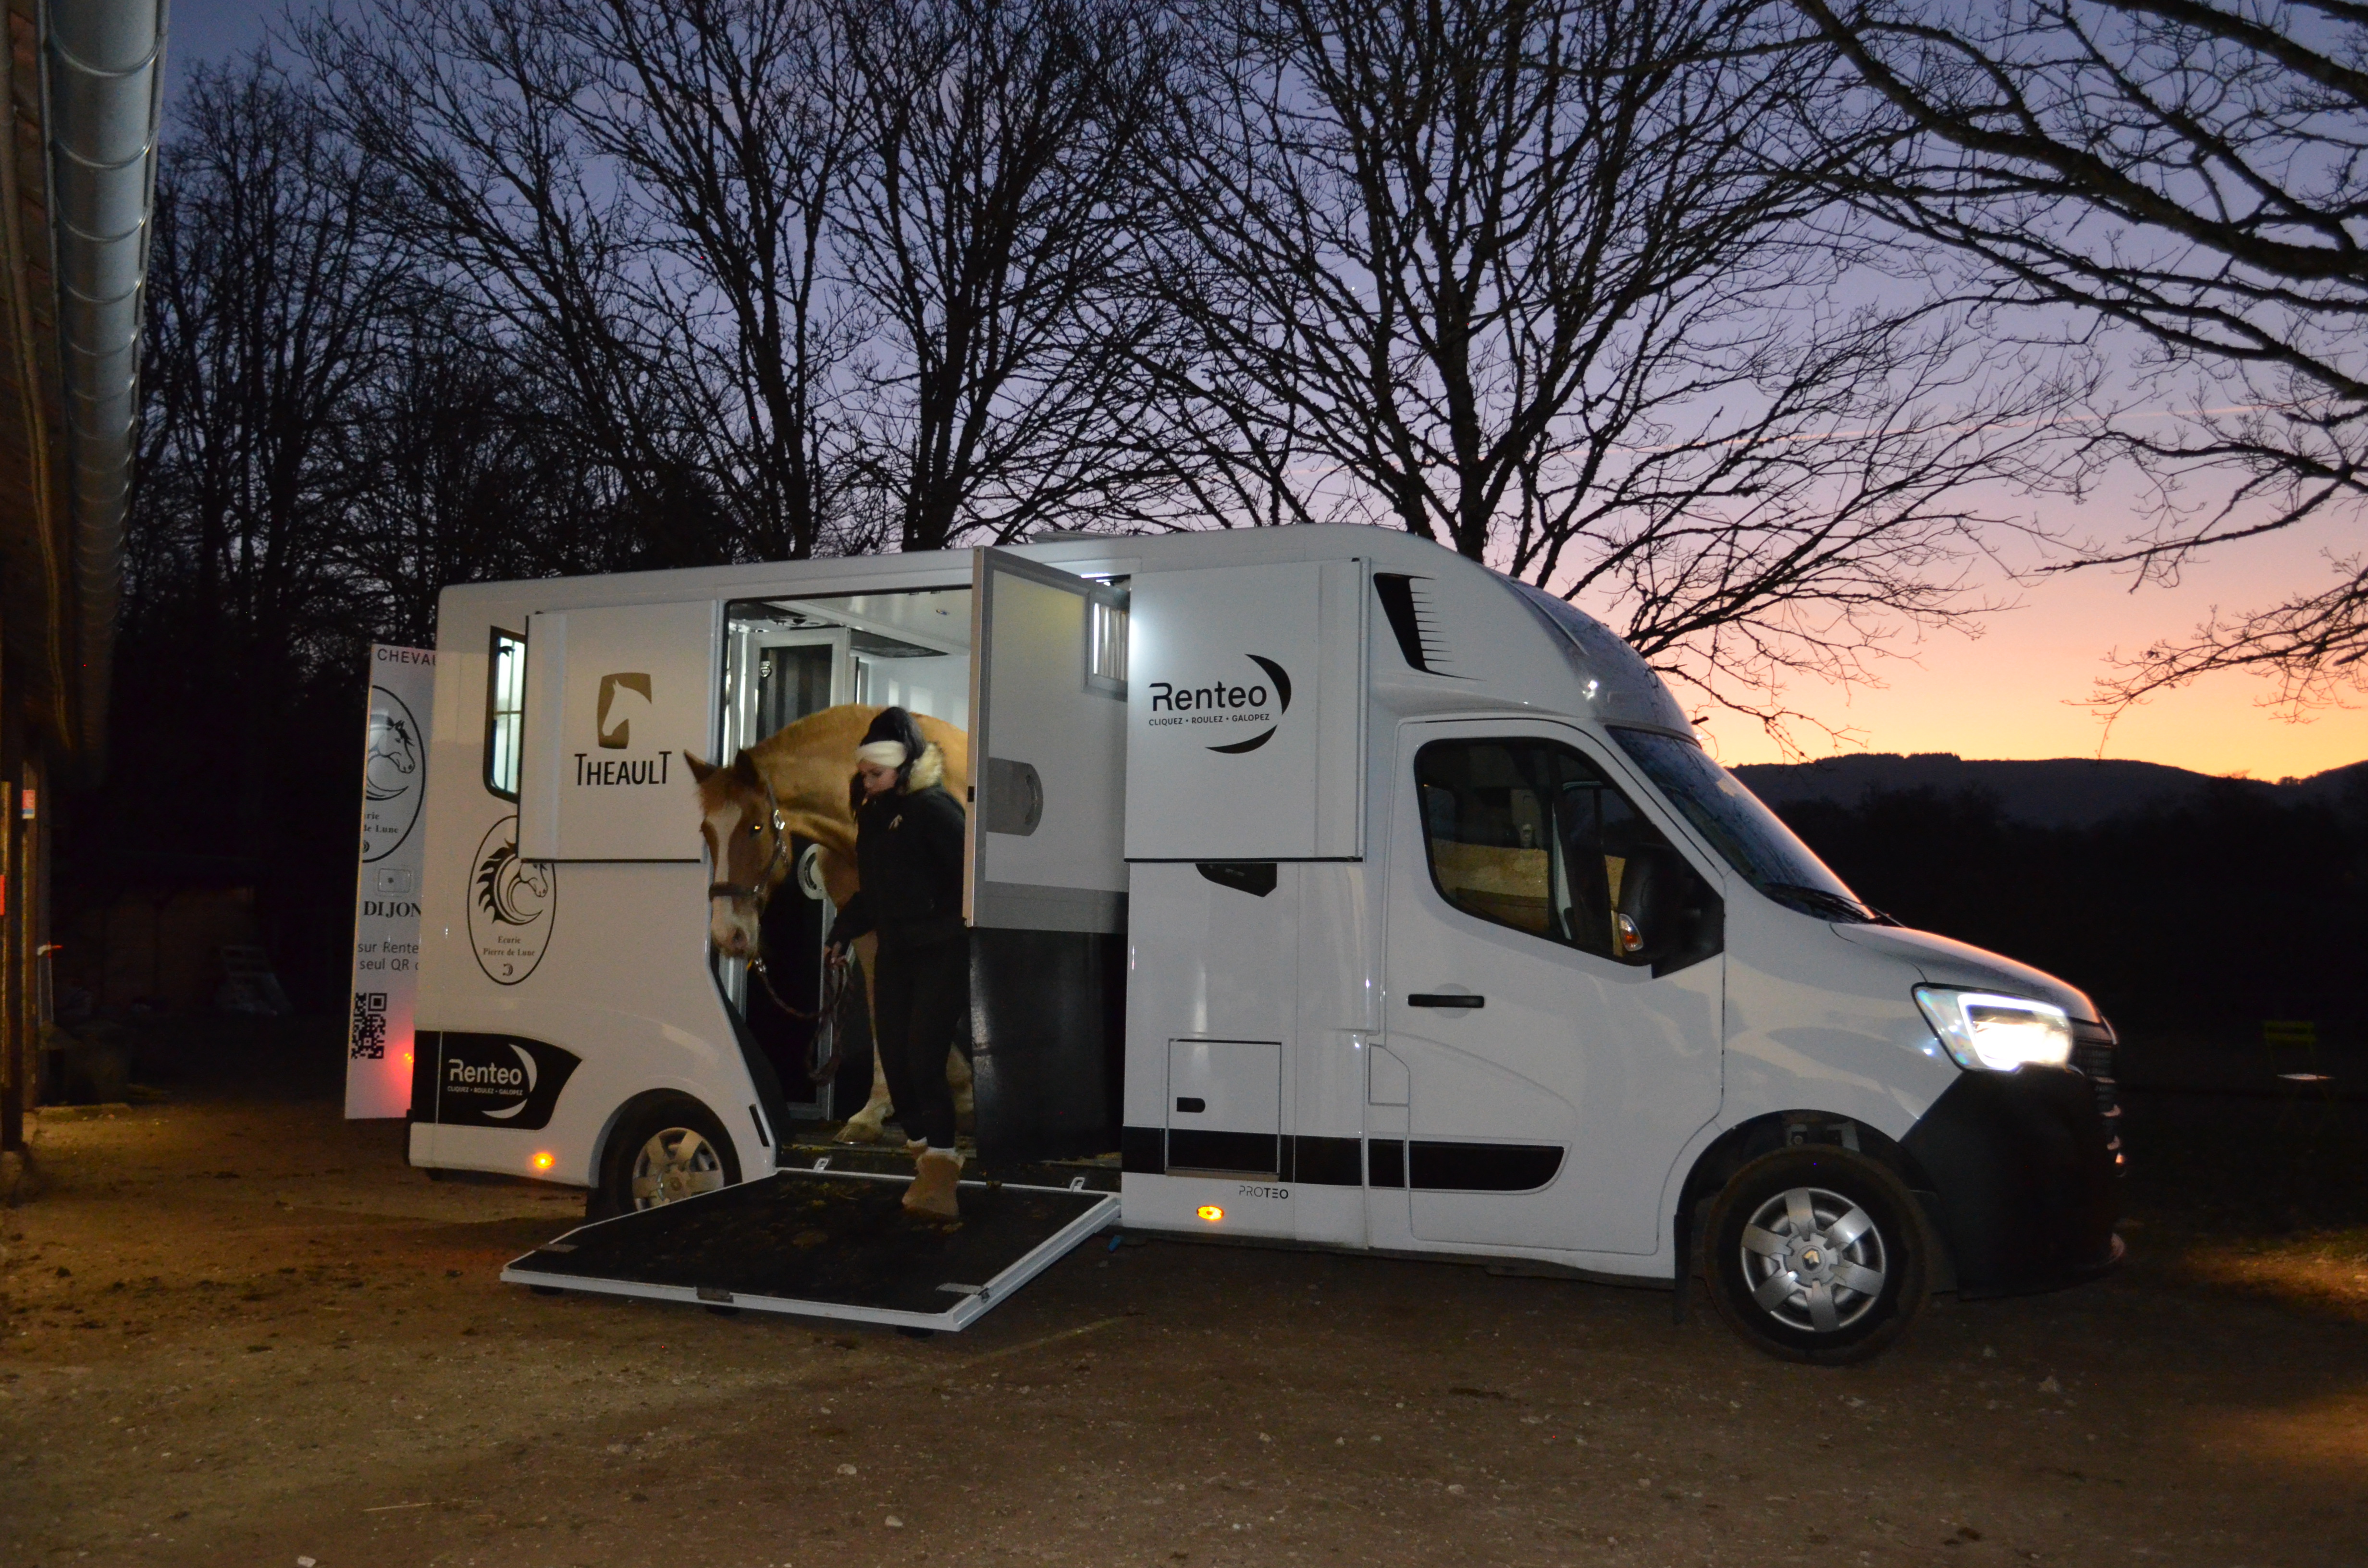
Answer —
(1406, 601)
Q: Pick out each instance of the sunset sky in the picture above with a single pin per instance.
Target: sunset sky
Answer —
(2014, 691)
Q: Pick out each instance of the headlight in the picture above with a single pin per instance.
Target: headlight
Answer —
(2000, 1033)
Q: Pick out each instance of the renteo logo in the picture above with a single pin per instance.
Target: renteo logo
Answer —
(1226, 703)
(500, 1077)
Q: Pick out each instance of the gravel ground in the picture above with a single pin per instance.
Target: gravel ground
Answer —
(241, 1331)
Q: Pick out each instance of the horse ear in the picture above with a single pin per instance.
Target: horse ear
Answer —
(743, 768)
(700, 772)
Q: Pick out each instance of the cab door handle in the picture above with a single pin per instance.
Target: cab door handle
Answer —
(1449, 999)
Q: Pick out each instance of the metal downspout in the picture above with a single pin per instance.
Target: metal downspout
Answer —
(105, 74)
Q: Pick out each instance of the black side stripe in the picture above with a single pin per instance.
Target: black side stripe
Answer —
(1437, 1166)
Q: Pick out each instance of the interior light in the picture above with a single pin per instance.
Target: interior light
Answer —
(1999, 1033)
(1211, 1212)
(545, 1160)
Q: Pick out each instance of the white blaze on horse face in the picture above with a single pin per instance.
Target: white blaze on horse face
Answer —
(730, 923)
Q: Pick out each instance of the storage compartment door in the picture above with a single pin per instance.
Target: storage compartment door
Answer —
(1247, 699)
(1048, 749)
(616, 700)
(1224, 1106)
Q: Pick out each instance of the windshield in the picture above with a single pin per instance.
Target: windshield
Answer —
(1745, 832)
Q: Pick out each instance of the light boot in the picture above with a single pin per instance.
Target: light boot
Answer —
(932, 1192)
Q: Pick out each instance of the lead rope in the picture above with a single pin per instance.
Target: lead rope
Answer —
(827, 1046)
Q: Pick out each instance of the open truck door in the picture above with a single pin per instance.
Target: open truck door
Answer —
(823, 1235)
(1046, 890)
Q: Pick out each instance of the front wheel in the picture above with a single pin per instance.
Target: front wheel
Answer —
(1816, 1255)
(664, 1149)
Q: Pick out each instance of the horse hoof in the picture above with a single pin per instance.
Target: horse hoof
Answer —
(859, 1132)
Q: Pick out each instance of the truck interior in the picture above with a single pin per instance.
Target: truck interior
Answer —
(785, 659)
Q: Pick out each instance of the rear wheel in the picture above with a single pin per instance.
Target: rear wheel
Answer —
(1816, 1255)
(665, 1149)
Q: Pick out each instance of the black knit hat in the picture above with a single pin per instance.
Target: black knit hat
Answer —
(895, 725)
(890, 724)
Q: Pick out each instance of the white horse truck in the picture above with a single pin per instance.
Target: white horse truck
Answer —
(1349, 894)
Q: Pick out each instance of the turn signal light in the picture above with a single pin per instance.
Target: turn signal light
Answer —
(545, 1160)
(1211, 1212)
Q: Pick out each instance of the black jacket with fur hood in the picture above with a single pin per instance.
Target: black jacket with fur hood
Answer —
(909, 863)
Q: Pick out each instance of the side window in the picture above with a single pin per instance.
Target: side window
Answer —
(505, 713)
(1529, 834)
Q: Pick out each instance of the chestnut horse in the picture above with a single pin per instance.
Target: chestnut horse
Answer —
(792, 784)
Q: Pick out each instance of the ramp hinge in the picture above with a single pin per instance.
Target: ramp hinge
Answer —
(714, 1293)
(1077, 1184)
(822, 1162)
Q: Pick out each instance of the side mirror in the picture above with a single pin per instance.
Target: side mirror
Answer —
(1652, 902)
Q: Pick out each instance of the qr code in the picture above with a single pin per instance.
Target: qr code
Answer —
(369, 1025)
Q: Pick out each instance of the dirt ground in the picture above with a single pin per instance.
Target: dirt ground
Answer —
(238, 1330)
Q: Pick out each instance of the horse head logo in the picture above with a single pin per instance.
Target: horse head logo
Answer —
(621, 735)
(510, 906)
(394, 758)
(510, 890)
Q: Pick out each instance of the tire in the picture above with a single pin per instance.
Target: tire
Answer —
(666, 1148)
(1777, 1274)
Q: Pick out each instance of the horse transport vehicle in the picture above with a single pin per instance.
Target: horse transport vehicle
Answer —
(1324, 890)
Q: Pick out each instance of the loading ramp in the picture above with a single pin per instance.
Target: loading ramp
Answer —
(830, 1243)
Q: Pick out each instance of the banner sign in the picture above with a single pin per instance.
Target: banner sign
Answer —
(386, 897)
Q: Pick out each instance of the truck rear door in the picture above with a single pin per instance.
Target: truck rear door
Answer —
(1046, 892)
(1048, 744)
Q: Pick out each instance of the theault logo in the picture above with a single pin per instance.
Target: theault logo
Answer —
(620, 735)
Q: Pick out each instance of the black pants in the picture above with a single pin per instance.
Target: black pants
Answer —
(920, 998)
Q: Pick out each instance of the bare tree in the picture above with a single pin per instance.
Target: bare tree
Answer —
(989, 221)
(457, 480)
(636, 194)
(270, 305)
(1540, 279)
(2191, 171)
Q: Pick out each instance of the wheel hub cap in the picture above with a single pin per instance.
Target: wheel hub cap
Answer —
(1814, 1260)
(675, 1165)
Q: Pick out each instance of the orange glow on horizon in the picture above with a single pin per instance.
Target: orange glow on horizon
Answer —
(2016, 691)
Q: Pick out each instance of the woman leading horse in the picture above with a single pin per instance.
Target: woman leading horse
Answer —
(908, 856)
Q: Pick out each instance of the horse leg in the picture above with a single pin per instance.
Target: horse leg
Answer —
(958, 1076)
(866, 1125)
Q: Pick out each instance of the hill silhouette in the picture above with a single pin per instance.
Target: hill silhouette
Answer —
(2202, 914)
(2067, 792)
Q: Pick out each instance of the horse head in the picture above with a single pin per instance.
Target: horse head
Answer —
(748, 846)
(792, 784)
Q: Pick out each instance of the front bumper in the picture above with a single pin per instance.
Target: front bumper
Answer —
(2022, 1166)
